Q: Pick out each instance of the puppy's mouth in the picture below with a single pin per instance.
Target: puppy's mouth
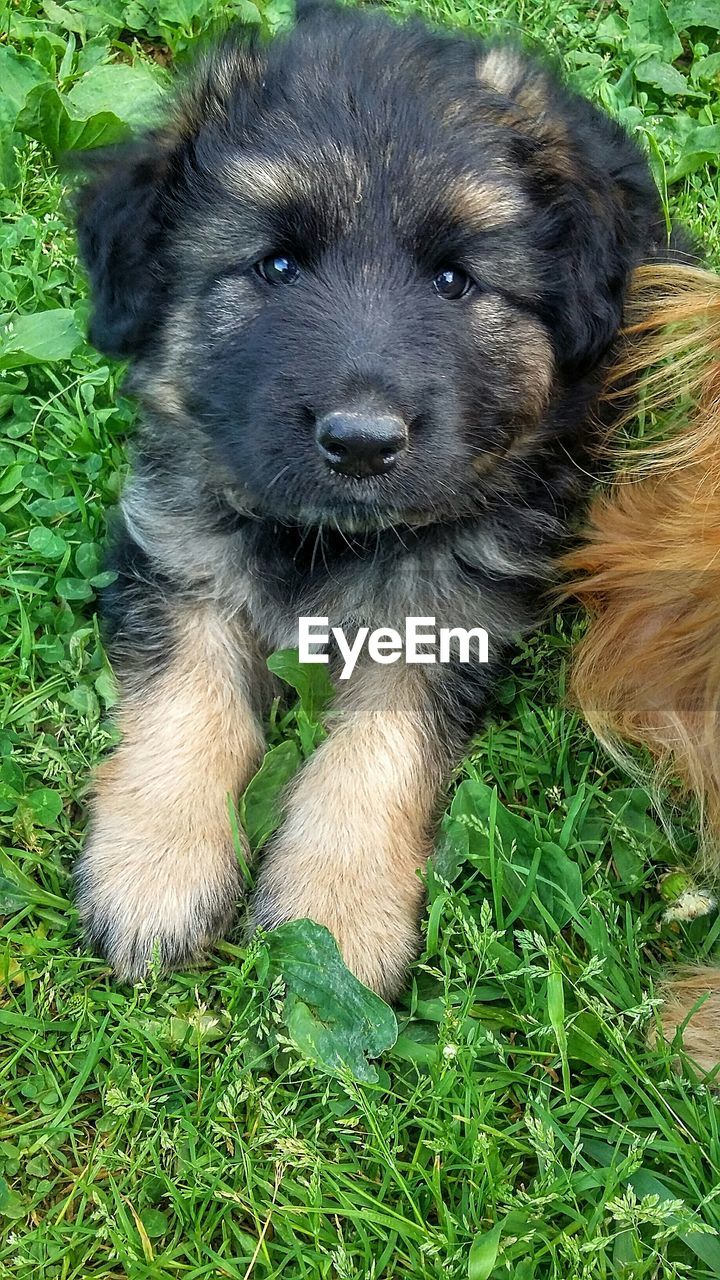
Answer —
(356, 522)
(358, 509)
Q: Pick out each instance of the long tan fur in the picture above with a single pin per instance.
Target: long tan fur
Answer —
(648, 669)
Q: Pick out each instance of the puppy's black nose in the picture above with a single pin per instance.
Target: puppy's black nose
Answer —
(362, 443)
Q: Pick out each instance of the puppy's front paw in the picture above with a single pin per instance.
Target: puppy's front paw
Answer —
(358, 829)
(164, 889)
(373, 919)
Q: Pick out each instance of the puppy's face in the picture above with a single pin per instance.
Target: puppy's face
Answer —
(364, 262)
(353, 316)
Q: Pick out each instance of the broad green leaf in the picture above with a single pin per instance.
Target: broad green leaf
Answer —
(9, 168)
(16, 882)
(659, 173)
(18, 75)
(694, 13)
(189, 1025)
(44, 805)
(661, 74)
(11, 773)
(332, 1018)
(106, 687)
(74, 589)
(11, 1206)
(102, 580)
(132, 93)
(138, 17)
(632, 807)
(649, 25)
(83, 699)
(12, 897)
(87, 559)
(38, 478)
(181, 12)
(45, 509)
(41, 337)
(707, 69)
(9, 797)
(526, 864)
(59, 126)
(155, 1222)
(11, 478)
(64, 17)
(629, 862)
(611, 30)
(583, 1047)
(260, 805)
(108, 13)
(483, 1253)
(279, 14)
(452, 848)
(310, 680)
(47, 543)
(701, 146)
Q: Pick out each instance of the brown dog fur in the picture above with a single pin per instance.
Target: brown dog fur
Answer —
(648, 669)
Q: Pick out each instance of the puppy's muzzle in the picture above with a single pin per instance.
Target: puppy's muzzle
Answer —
(357, 443)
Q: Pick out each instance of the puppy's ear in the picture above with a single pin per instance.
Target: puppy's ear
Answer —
(133, 193)
(598, 210)
(120, 219)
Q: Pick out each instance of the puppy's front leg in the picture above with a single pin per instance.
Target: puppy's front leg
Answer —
(159, 867)
(359, 824)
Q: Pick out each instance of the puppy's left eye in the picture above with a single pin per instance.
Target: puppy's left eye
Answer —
(278, 269)
(452, 283)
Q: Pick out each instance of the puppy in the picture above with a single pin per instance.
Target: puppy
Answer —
(369, 278)
(648, 669)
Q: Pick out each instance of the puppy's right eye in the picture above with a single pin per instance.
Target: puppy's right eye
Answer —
(278, 269)
(452, 283)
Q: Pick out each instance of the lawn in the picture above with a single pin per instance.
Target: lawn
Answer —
(260, 1117)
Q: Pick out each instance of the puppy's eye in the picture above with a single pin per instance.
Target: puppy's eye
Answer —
(278, 270)
(452, 283)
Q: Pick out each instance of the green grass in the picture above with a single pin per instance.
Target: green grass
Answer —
(519, 1126)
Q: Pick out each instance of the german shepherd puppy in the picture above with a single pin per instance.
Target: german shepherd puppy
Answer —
(369, 277)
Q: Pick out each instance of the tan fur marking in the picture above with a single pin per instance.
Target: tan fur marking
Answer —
(485, 463)
(524, 347)
(268, 182)
(160, 385)
(523, 344)
(501, 69)
(358, 829)
(223, 74)
(485, 205)
(159, 862)
(538, 363)
(509, 74)
(697, 989)
(262, 180)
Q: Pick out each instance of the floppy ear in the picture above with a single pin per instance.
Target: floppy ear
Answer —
(598, 210)
(134, 193)
(120, 221)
